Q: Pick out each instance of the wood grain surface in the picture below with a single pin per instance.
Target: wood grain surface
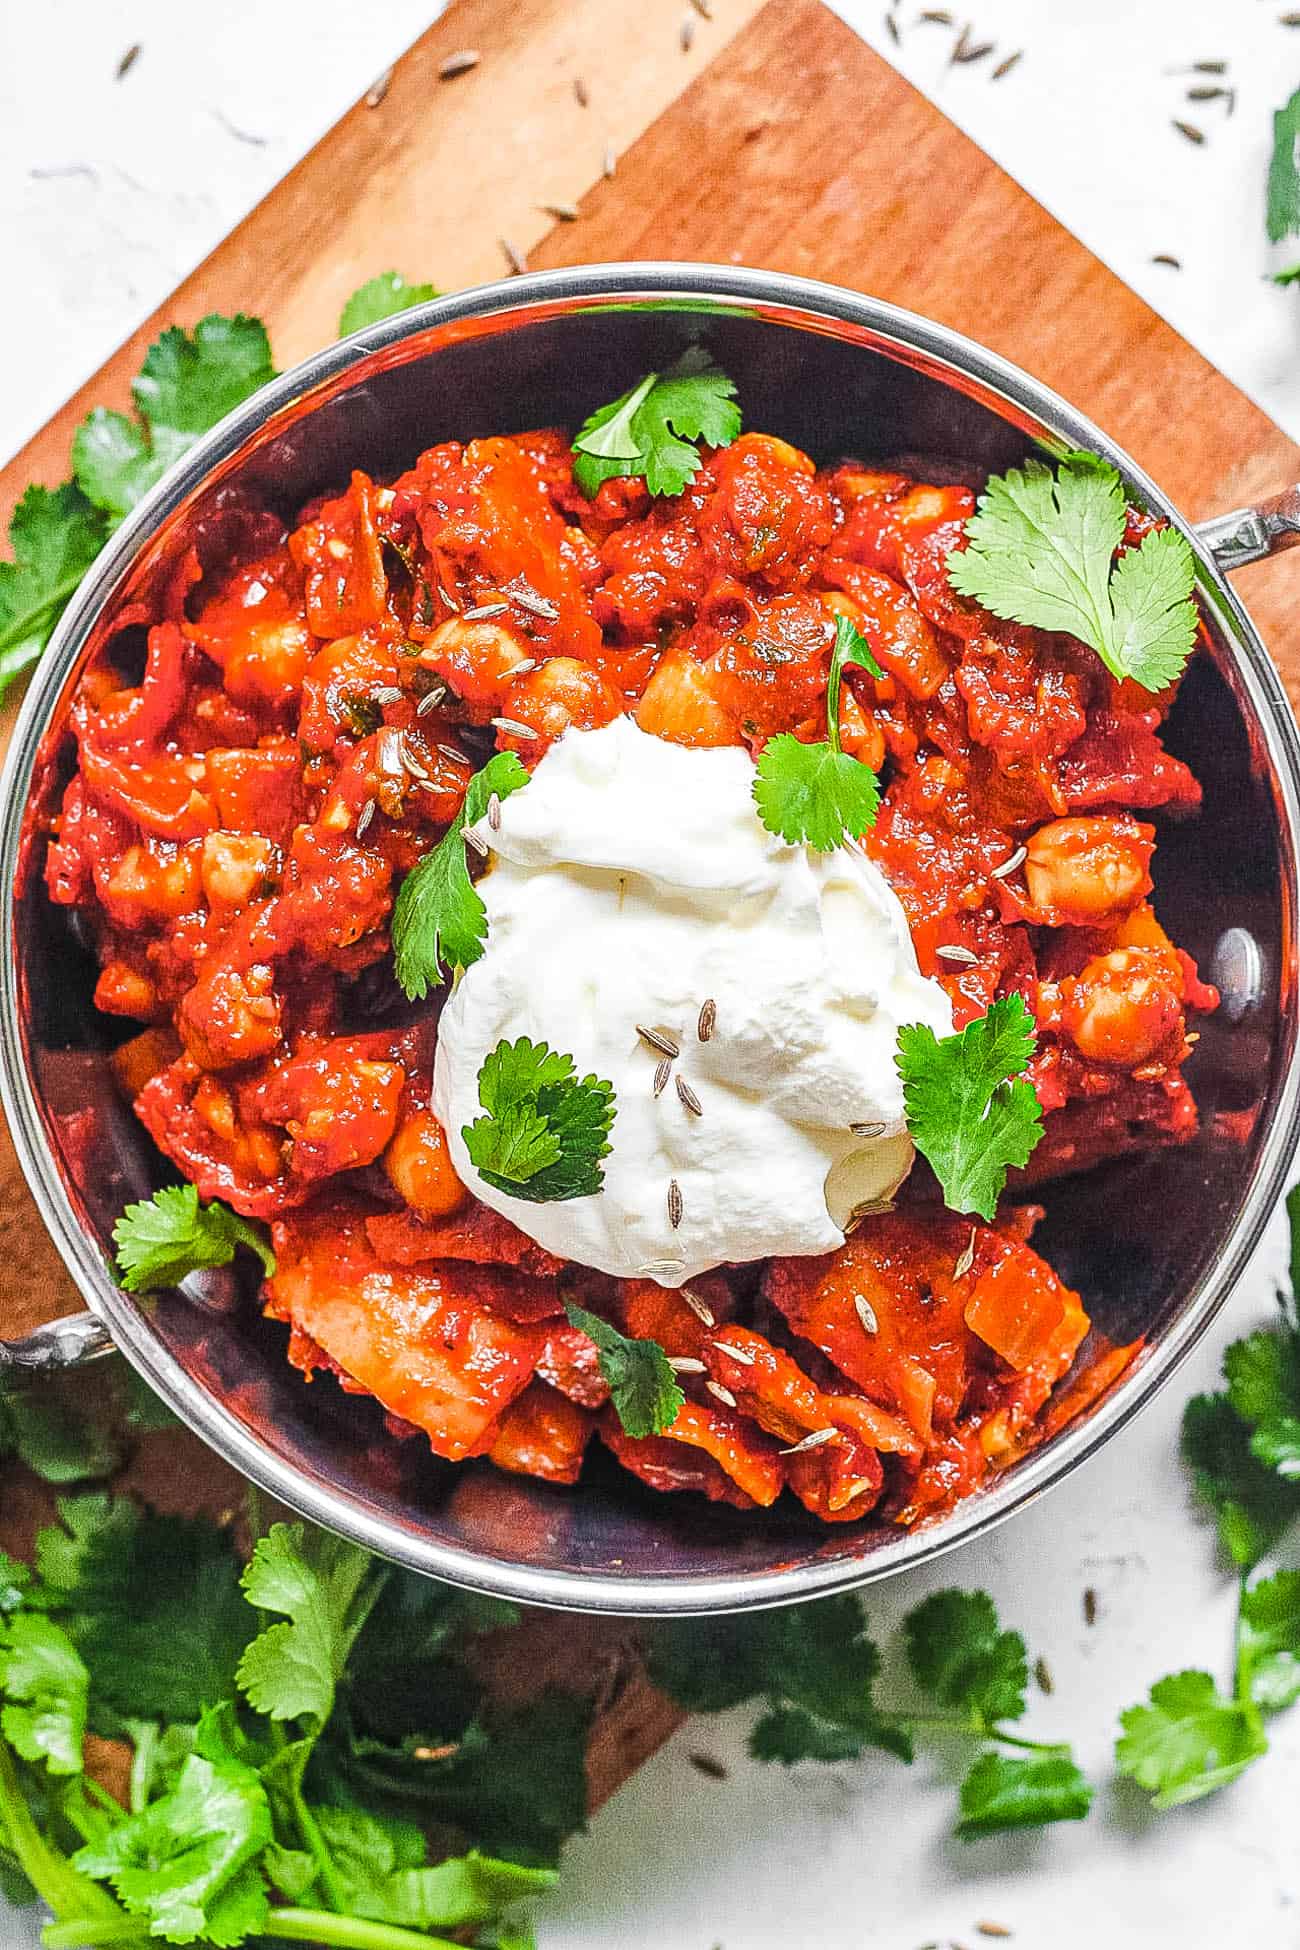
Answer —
(794, 148)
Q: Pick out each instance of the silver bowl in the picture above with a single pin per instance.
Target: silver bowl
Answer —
(1154, 1242)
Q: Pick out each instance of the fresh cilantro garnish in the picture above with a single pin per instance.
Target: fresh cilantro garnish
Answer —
(1041, 549)
(968, 1108)
(1188, 1740)
(439, 920)
(642, 1386)
(544, 1131)
(381, 297)
(1268, 1641)
(322, 1590)
(45, 1687)
(55, 535)
(187, 383)
(815, 1668)
(647, 432)
(50, 1430)
(161, 1239)
(817, 795)
(1282, 214)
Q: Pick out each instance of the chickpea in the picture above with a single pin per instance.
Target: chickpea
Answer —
(1123, 1006)
(419, 1167)
(475, 658)
(1085, 871)
(679, 704)
(235, 866)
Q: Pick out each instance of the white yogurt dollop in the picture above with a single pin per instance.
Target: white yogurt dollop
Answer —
(632, 881)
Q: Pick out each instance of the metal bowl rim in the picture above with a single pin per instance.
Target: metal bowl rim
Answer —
(795, 301)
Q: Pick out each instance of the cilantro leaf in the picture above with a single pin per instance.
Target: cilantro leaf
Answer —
(1282, 209)
(382, 1865)
(15, 1583)
(187, 383)
(381, 297)
(1002, 1791)
(1040, 551)
(642, 1386)
(648, 431)
(1268, 1641)
(544, 1132)
(968, 1109)
(160, 1240)
(439, 921)
(849, 647)
(1252, 1505)
(958, 1651)
(47, 1428)
(1189, 1740)
(813, 795)
(790, 1734)
(45, 1685)
(324, 1588)
(184, 1862)
(55, 535)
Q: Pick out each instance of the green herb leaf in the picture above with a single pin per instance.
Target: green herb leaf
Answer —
(162, 1239)
(1268, 1641)
(1022, 1791)
(813, 795)
(1252, 1505)
(439, 921)
(187, 383)
(15, 1583)
(381, 297)
(1282, 211)
(48, 1430)
(544, 1132)
(55, 535)
(1189, 1741)
(850, 647)
(45, 1685)
(790, 1734)
(324, 1588)
(184, 1863)
(642, 1386)
(958, 1652)
(1040, 552)
(647, 432)
(970, 1112)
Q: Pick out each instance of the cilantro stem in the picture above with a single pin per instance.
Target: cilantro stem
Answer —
(975, 1728)
(17, 629)
(318, 1849)
(60, 1887)
(348, 1932)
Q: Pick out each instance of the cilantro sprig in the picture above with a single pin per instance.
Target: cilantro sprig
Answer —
(818, 795)
(1282, 209)
(381, 297)
(642, 1386)
(969, 1110)
(815, 1669)
(544, 1130)
(439, 920)
(648, 432)
(160, 1240)
(1041, 550)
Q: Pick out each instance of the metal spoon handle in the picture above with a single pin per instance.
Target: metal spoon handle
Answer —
(53, 1349)
(1249, 534)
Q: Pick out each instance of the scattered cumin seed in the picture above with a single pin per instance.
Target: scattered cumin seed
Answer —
(436, 1753)
(1164, 257)
(512, 728)
(1043, 1674)
(379, 88)
(475, 841)
(891, 28)
(528, 599)
(494, 811)
(700, 1308)
(562, 212)
(686, 1364)
(364, 817)
(1207, 94)
(993, 1929)
(653, 1266)
(953, 952)
(430, 701)
(481, 611)
(1209, 67)
(662, 1073)
(1190, 130)
(689, 1098)
(664, 1044)
(868, 1130)
(813, 1441)
(967, 1260)
(866, 1313)
(705, 1764)
(1005, 66)
(610, 161)
(975, 52)
(686, 33)
(513, 257)
(522, 668)
(448, 598)
(450, 751)
(1090, 1606)
(675, 1207)
(128, 61)
(724, 1395)
(938, 17)
(388, 694)
(1009, 865)
(461, 62)
(704, 1028)
(741, 1354)
(581, 93)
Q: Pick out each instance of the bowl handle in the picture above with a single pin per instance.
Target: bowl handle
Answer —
(1249, 534)
(52, 1349)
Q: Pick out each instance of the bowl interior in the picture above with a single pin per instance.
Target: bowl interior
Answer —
(1144, 1240)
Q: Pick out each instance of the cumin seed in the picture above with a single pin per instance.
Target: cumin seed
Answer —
(1163, 257)
(430, 701)
(868, 1130)
(993, 1929)
(444, 1752)
(448, 598)
(689, 1098)
(388, 694)
(952, 952)
(686, 33)
(513, 728)
(494, 811)
(1190, 130)
(1009, 865)
(1043, 1675)
(378, 89)
(664, 1044)
(866, 1313)
(675, 1207)
(1090, 1606)
(662, 1073)
(450, 751)
(562, 212)
(712, 1770)
(741, 1354)
(686, 1364)
(1207, 94)
(522, 668)
(653, 1266)
(973, 53)
(1209, 67)
(938, 17)
(527, 598)
(700, 1308)
(891, 28)
(128, 61)
(582, 94)
(513, 257)
(476, 841)
(461, 62)
(481, 611)
(967, 1260)
(1005, 66)
(724, 1395)
(813, 1441)
(707, 1023)
(364, 817)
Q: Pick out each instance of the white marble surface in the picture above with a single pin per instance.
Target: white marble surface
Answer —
(109, 192)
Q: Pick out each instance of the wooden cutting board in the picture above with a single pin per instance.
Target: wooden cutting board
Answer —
(776, 139)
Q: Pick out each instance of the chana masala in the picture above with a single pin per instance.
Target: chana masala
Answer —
(311, 708)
